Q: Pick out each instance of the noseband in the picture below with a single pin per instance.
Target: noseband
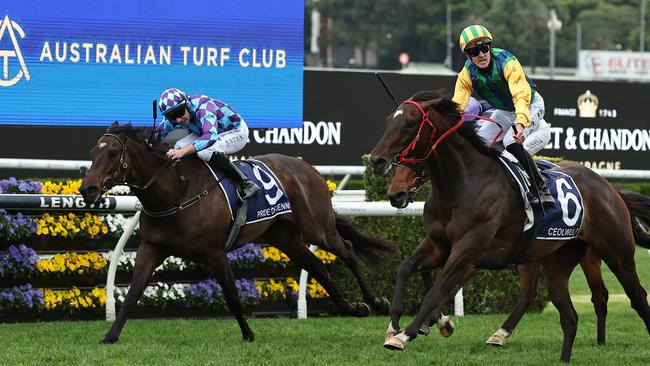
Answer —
(402, 157)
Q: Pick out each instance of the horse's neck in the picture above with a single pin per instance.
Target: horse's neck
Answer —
(456, 164)
(165, 189)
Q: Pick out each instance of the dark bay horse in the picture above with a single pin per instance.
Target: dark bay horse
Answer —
(197, 231)
(474, 219)
(408, 179)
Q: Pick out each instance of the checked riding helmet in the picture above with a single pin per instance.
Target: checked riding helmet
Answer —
(474, 35)
(171, 100)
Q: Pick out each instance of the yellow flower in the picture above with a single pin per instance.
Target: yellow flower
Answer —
(331, 185)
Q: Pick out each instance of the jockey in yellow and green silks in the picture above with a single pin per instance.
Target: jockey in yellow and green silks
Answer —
(495, 75)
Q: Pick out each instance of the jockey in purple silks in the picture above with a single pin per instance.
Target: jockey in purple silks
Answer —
(216, 130)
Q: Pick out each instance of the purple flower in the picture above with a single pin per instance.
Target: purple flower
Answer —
(12, 185)
(18, 261)
(248, 256)
(208, 293)
(21, 298)
(13, 228)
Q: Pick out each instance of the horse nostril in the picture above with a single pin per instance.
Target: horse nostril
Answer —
(378, 164)
(398, 199)
(89, 193)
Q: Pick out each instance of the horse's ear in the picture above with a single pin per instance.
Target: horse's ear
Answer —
(116, 123)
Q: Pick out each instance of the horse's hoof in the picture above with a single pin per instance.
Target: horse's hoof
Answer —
(107, 340)
(396, 342)
(249, 337)
(446, 326)
(389, 335)
(360, 309)
(424, 330)
(381, 306)
(498, 338)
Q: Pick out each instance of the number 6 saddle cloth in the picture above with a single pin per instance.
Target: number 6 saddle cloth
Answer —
(563, 220)
(270, 201)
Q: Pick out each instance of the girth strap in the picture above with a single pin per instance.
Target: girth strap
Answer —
(180, 206)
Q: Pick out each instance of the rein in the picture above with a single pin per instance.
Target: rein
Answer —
(401, 157)
(179, 207)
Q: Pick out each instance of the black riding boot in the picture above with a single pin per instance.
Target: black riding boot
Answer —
(536, 178)
(245, 187)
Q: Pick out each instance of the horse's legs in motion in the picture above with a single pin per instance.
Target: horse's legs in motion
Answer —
(558, 267)
(590, 264)
(427, 249)
(444, 322)
(218, 263)
(291, 243)
(457, 270)
(528, 274)
(146, 260)
(620, 261)
(379, 304)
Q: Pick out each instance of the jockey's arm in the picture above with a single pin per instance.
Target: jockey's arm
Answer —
(463, 89)
(210, 125)
(520, 90)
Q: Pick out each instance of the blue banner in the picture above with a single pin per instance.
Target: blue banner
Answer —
(90, 62)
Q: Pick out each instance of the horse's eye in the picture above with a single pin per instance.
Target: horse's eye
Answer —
(113, 153)
(410, 123)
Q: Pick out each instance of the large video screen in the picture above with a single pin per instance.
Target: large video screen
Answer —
(91, 62)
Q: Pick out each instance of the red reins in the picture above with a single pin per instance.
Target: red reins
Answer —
(401, 158)
(425, 119)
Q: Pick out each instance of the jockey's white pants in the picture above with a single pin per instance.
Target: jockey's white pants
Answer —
(537, 135)
(228, 142)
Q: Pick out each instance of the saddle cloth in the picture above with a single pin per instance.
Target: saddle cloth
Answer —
(563, 220)
(269, 202)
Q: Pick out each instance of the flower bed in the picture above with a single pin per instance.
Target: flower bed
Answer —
(54, 266)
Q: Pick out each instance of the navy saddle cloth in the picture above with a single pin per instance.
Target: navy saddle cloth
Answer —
(269, 202)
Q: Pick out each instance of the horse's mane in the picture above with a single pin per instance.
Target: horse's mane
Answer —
(138, 134)
(449, 110)
(128, 130)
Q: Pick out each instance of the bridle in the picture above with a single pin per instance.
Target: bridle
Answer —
(123, 165)
(402, 157)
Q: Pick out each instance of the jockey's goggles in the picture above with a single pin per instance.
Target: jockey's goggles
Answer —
(479, 48)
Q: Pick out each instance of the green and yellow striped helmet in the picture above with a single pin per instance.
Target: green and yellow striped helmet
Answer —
(472, 34)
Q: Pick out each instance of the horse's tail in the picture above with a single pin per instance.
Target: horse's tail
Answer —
(639, 207)
(368, 246)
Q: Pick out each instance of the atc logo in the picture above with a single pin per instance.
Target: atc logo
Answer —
(9, 28)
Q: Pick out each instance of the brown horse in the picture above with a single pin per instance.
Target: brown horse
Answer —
(184, 216)
(408, 179)
(474, 219)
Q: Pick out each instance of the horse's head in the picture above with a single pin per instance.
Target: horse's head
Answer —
(109, 161)
(406, 182)
(414, 130)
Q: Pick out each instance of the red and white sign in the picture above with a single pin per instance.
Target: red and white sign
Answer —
(614, 65)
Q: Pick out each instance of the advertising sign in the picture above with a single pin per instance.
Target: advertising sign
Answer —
(602, 125)
(90, 62)
(614, 65)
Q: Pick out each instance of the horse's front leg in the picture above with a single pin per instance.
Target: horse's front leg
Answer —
(146, 260)
(528, 274)
(449, 281)
(445, 323)
(427, 255)
(220, 266)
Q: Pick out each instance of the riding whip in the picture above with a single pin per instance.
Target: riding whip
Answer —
(387, 88)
